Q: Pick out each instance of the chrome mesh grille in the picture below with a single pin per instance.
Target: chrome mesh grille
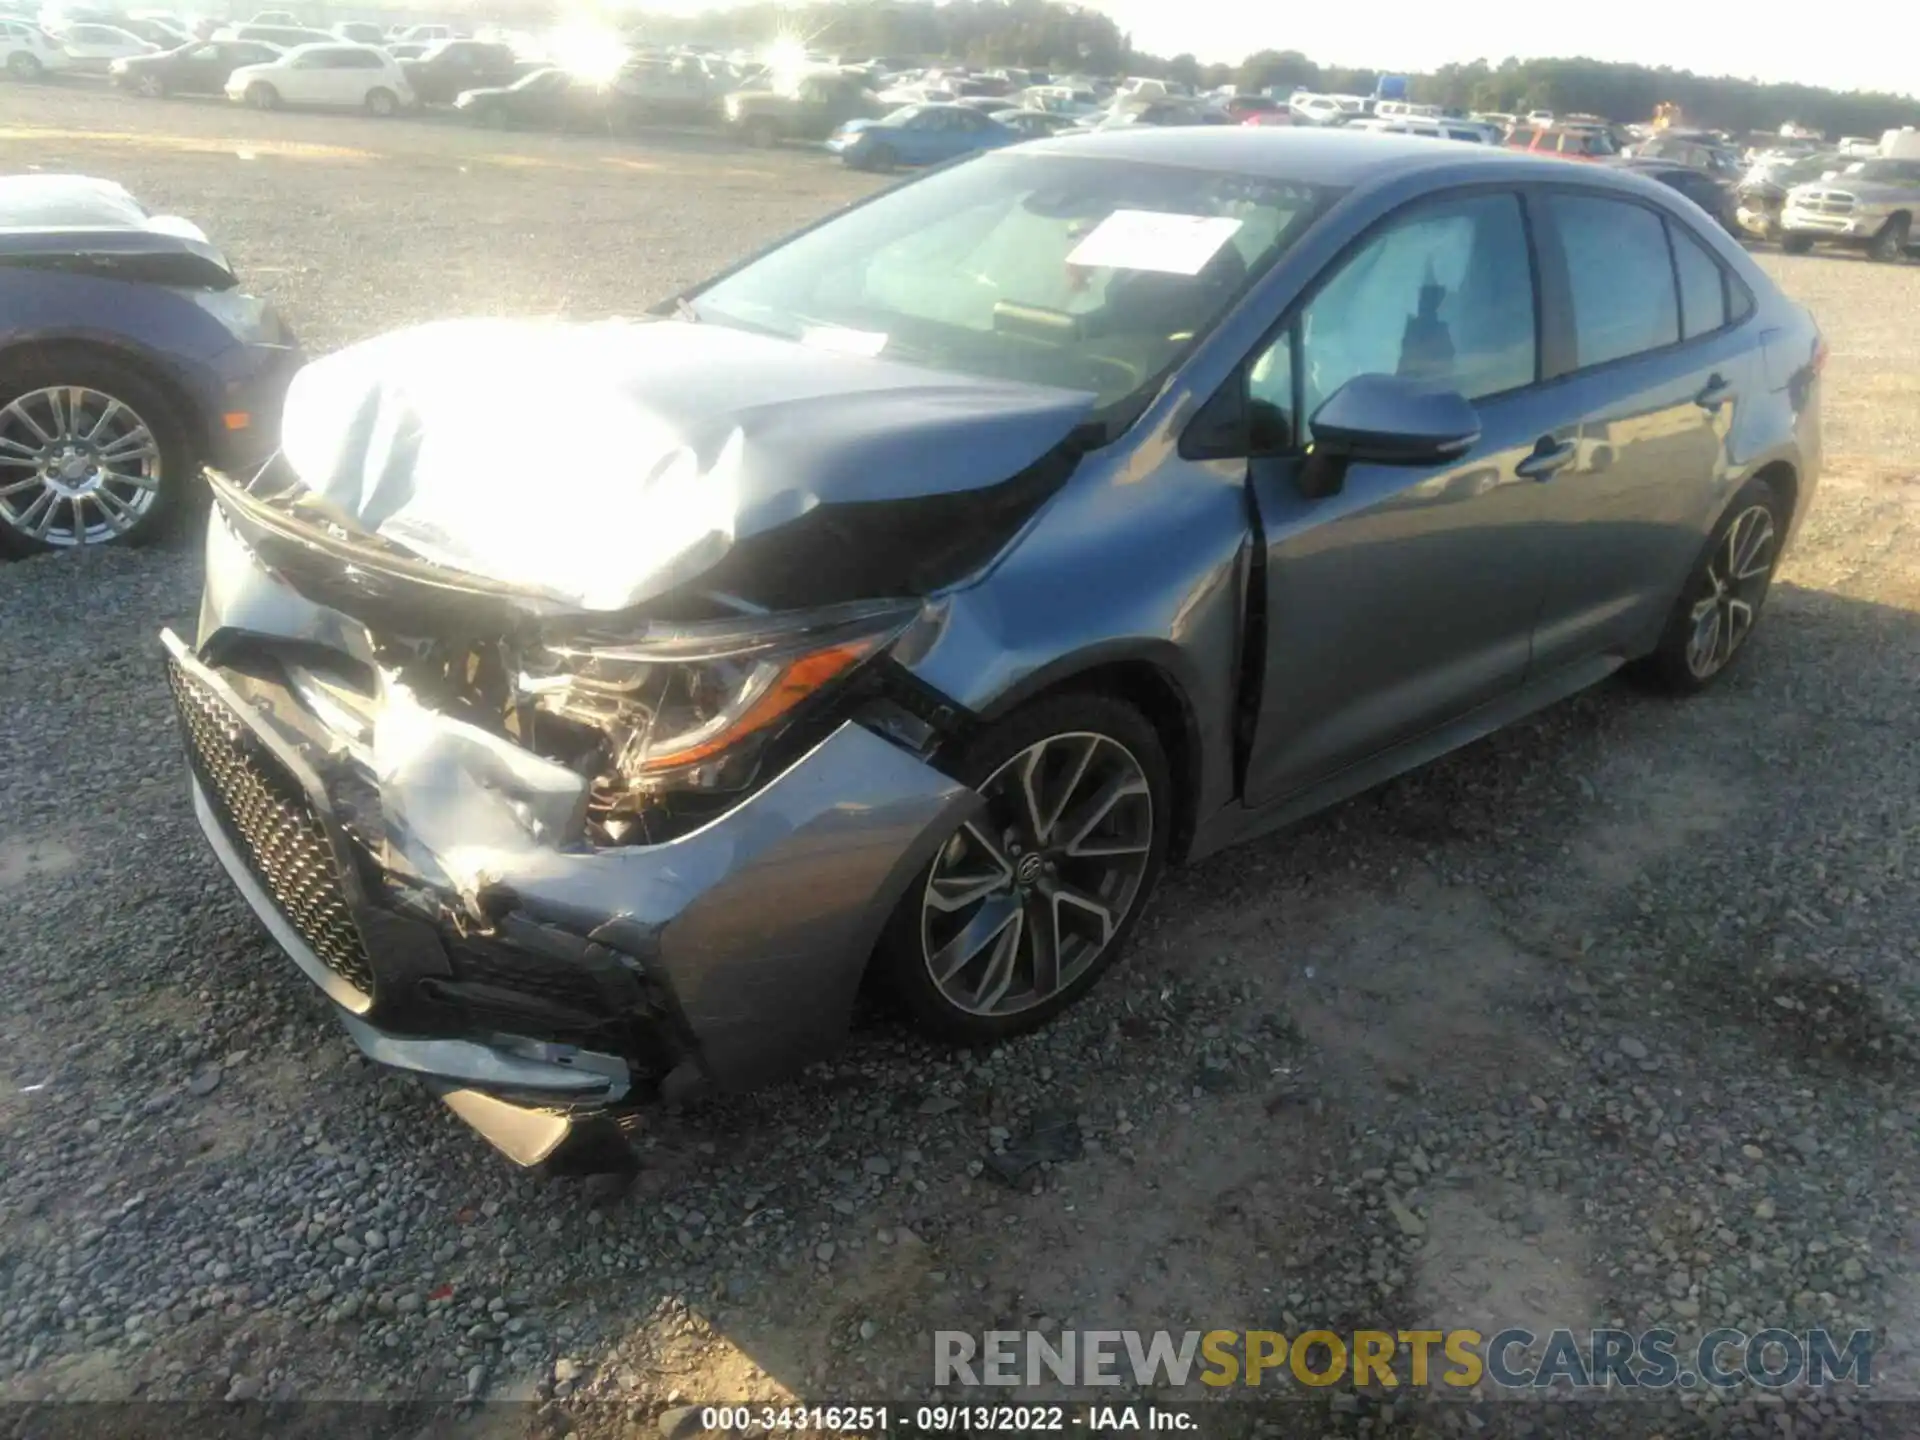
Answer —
(273, 825)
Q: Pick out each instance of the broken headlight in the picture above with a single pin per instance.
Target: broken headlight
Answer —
(691, 707)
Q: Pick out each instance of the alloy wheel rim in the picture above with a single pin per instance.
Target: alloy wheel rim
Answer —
(77, 466)
(1736, 583)
(1024, 899)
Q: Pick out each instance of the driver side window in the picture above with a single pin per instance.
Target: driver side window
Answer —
(1444, 293)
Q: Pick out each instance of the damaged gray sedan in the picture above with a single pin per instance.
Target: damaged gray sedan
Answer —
(895, 606)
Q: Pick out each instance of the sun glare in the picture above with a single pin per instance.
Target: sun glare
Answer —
(786, 57)
(592, 51)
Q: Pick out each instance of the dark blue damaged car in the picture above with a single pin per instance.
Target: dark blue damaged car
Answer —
(897, 605)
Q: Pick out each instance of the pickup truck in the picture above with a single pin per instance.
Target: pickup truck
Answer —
(1871, 206)
(810, 109)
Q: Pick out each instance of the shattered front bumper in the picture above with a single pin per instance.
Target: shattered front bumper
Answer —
(542, 987)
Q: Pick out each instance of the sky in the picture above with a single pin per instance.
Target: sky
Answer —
(1861, 53)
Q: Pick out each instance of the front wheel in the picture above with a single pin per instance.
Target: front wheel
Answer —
(1890, 245)
(1030, 902)
(881, 158)
(151, 87)
(92, 452)
(383, 103)
(1721, 601)
(22, 66)
(762, 134)
(263, 97)
(1796, 244)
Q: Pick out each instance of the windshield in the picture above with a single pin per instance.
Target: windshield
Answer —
(1087, 274)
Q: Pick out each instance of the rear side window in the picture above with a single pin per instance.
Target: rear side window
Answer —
(1621, 277)
(1703, 286)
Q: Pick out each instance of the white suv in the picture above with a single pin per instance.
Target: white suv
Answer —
(27, 52)
(352, 77)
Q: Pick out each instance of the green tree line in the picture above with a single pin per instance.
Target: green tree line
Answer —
(1062, 37)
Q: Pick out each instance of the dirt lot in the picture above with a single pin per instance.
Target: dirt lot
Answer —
(1610, 1019)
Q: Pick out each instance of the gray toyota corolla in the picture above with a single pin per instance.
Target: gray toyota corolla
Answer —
(897, 604)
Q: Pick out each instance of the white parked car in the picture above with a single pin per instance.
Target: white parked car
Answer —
(348, 77)
(1315, 109)
(92, 48)
(27, 52)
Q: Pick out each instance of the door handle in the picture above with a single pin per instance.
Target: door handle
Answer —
(1717, 393)
(1547, 460)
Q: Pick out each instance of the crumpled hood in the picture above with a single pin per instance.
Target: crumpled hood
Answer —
(603, 464)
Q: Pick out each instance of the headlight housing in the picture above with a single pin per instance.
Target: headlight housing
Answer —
(692, 707)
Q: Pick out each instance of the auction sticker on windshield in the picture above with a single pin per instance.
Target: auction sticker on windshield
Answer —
(1154, 240)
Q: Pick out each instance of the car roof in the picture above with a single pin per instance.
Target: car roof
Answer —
(1332, 157)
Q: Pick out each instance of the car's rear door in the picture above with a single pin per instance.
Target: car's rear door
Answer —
(1406, 601)
(1659, 363)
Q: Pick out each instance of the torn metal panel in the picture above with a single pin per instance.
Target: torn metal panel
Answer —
(687, 441)
(460, 805)
(241, 599)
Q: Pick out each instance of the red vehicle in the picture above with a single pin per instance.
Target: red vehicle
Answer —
(1244, 107)
(1569, 142)
(1269, 117)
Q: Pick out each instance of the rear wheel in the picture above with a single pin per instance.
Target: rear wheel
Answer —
(1890, 245)
(91, 452)
(1796, 244)
(1029, 903)
(151, 86)
(22, 66)
(262, 96)
(382, 102)
(1720, 604)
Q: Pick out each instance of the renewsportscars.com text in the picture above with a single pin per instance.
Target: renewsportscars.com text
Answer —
(1514, 1359)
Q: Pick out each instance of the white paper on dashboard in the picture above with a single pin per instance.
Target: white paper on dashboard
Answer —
(1154, 240)
(848, 342)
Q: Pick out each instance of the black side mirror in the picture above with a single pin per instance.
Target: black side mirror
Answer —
(1385, 420)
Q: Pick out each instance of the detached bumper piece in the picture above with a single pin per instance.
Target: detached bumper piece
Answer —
(549, 1001)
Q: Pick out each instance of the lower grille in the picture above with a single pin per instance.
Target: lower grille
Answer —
(267, 814)
(528, 974)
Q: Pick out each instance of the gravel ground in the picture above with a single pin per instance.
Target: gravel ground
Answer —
(1609, 1019)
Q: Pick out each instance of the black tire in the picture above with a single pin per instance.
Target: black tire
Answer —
(882, 158)
(1672, 666)
(1796, 244)
(493, 117)
(175, 432)
(25, 67)
(151, 86)
(762, 134)
(262, 96)
(1889, 247)
(382, 102)
(902, 962)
